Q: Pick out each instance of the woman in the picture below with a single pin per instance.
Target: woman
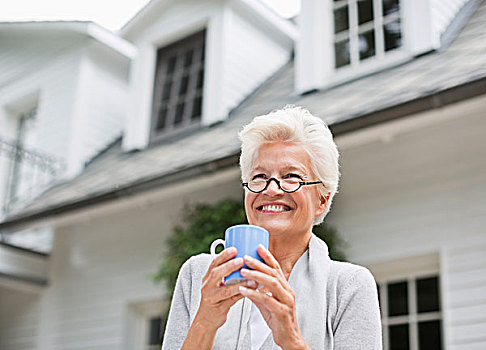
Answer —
(290, 171)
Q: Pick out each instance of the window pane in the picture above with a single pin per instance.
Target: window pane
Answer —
(196, 108)
(179, 113)
(161, 118)
(341, 21)
(166, 90)
(365, 11)
(397, 299)
(184, 84)
(200, 76)
(429, 335)
(171, 64)
(341, 53)
(390, 6)
(155, 331)
(428, 294)
(398, 335)
(367, 45)
(188, 58)
(393, 35)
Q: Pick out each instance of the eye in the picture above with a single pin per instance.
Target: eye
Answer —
(292, 176)
(259, 176)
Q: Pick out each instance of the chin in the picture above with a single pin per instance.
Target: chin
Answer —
(274, 228)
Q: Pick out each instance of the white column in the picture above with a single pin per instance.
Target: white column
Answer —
(419, 33)
(314, 53)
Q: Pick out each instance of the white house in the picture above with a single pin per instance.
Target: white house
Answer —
(401, 84)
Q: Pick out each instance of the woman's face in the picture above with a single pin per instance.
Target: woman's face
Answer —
(273, 209)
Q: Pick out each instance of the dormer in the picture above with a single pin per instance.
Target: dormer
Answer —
(342, 40)
(196, 61)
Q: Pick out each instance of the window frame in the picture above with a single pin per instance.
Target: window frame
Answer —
(412, 318)
(358, 66)
(409, 269)
(196, 40)
(144, 312)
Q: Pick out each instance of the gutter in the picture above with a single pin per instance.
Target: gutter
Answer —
(432, 101)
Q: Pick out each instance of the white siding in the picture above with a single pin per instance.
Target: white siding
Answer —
(250, 56)
(418, 192)
(101, 102)
(54, 82)
(80, 88)
(100, 271)
(443, 12)
(465, 295)
(19, 320)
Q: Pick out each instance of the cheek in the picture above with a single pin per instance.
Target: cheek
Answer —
(249, 198)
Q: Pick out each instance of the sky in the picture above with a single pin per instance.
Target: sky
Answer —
(111, 14)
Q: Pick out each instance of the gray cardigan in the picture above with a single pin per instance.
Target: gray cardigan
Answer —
(336, 305)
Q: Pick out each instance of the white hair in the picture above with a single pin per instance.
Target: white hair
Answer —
(297, 125)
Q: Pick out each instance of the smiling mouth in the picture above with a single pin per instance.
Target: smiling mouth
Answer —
(273, 208)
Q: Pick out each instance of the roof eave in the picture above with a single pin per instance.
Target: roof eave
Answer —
(434, 100)
(91, 29)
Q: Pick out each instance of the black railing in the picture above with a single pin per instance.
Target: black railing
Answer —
(29, 172)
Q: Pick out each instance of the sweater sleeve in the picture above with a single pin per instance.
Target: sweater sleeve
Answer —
(358, 323)
(179, 320)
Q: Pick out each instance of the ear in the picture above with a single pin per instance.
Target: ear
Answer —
(321, 207)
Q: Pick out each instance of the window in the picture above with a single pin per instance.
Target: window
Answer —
(411, 314)
(178, 86)
(365, 29)
(149, 324)
(155, 327)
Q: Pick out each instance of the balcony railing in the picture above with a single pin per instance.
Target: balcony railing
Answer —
(28, 173)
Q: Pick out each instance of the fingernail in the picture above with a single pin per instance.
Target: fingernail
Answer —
(243, 290)
(249, 258)
(244, 271)
(262, 246)
(237, 261)
(231, 250)
(251, 283)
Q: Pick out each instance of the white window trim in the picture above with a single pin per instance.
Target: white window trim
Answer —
(144, 311)
(381, 59)
(408, 269)
(314, 59)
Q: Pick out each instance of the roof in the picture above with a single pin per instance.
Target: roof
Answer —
(87, 28)
(430, 81)
(256, 8)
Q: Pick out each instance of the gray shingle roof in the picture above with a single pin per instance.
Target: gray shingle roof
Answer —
(463, 62)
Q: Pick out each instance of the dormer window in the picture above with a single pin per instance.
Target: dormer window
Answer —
(177, 102)
(365, 29)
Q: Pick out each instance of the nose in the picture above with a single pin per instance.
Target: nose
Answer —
(273, 188)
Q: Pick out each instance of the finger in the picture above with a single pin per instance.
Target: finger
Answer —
(231, 301)
(256, 264)
(227, 292)
(224, 256)
(261, 300)
(267, 257)
(224, 270)
(273, 284)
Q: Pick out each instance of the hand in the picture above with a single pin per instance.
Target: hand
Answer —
(277, 306)
(216, 297)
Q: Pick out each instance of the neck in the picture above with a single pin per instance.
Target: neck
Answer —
(287, 249)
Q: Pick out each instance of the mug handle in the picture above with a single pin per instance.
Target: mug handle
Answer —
(217, 242)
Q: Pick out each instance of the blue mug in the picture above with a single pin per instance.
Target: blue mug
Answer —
(245, 238)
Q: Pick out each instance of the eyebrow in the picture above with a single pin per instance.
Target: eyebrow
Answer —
(286, 168)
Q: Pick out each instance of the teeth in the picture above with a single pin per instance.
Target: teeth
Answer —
(273, 208)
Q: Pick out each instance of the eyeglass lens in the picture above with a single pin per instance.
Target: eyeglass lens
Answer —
(291, 184)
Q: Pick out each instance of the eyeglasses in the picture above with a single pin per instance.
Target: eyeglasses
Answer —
(289, 185)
